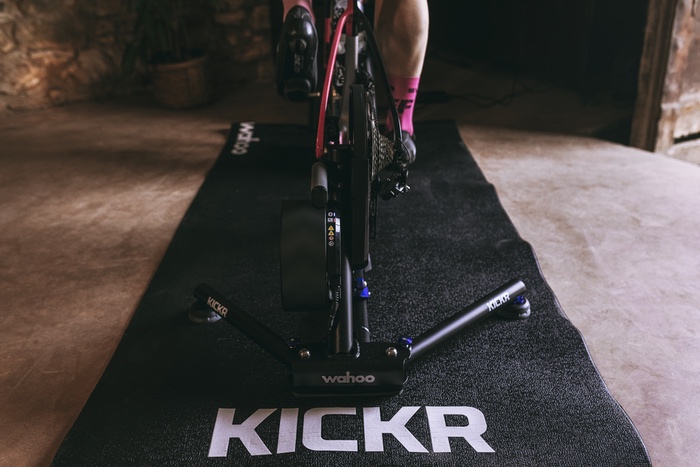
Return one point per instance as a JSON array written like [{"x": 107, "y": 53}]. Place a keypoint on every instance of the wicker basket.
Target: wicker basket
[{"x": 182, "y": 85}]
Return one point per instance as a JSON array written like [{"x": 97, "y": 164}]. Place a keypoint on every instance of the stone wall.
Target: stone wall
[
  {"x": 243, "y": 40},
  {"x": 59, "y": 51}
]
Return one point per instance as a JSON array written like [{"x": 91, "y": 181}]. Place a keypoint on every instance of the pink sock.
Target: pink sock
[
  {"x": 404, "y": 89},
  {"x": 289, "y": 4}
]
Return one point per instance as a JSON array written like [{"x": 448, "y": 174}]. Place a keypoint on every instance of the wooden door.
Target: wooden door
[{"x": 667, "y": 111}]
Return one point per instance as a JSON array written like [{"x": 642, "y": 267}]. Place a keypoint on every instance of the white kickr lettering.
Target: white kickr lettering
[
  {"x": 218, "y": 307},
  {"x": 498, "y": 301},
  {"x": 374, "y": 430}
]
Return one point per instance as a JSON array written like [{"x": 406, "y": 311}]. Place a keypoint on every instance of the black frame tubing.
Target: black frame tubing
[
  {"x": 455, "y": 324},
  {"x": 270, "y": 341}
]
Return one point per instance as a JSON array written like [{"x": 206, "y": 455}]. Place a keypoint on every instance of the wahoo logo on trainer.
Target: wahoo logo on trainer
[
  {"x": 347, "y": 378},
  {"x": 244, "y": 138}
]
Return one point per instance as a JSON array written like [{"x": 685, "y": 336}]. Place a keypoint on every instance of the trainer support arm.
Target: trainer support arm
[
  {"x": 374, "y": 368},
  {"x": 252, "y": 328},
  {"x": 452, "y": 326}
]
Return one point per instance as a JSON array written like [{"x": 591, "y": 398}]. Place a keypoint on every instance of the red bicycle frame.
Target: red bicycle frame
[{"x": 330, "y": 68}]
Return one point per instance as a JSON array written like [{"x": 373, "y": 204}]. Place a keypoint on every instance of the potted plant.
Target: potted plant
[{"x": 167, "y": 38}]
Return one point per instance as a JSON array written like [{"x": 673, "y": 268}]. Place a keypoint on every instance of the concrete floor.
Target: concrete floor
[{"x": 91, "y": 194}]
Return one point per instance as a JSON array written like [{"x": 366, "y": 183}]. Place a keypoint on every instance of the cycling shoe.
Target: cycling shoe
[
  {"x": 296, "y": 72},
  {"x": 409, "y": 144}
]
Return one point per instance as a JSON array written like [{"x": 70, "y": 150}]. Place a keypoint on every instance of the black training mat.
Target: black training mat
[{"x": 506, "y": 393}]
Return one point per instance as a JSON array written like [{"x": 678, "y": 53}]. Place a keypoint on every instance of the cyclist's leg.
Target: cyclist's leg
[
  {"x": 401, "y": 28},
  {"x": 296, "y": 74},
  {"x": 289, "y": 4}
]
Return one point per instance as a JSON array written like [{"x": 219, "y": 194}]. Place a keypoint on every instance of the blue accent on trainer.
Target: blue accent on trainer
[{"x": 405, "y": 341}]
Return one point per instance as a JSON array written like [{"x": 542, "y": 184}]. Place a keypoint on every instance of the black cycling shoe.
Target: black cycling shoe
[
  {"x": 409, "y": 144},
  {"x": 296, "y": 73}
]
